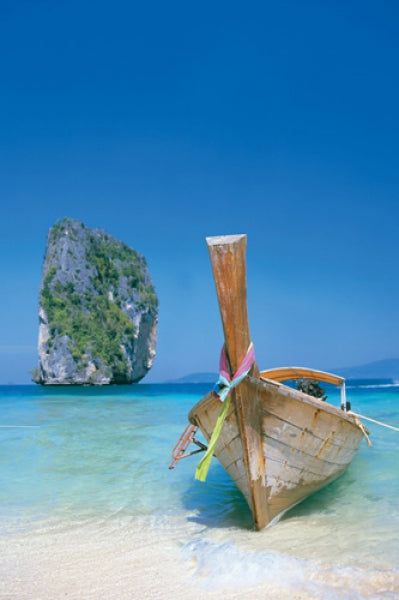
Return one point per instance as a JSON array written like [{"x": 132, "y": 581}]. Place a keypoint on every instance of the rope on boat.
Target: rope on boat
[
  {"x": 225, "y": 384},
  {"x": 375, "y": 421},
  {"x": 362, "y": 428}
]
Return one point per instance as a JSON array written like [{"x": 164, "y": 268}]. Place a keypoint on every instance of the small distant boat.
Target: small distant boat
[{"x": 278, "y": 444}]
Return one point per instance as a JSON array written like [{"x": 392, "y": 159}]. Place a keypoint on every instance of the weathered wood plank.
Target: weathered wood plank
[
  {"x": 274, "y": 449},
  {"x": 305, "y": 441}
]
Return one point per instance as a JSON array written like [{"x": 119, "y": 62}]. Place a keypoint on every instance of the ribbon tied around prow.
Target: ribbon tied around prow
[{"x": 223, "y": 389}]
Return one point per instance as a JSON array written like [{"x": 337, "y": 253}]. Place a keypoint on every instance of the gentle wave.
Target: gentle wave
[
  {"x": 225, "y": 565},
  {"x": 373, "y": 386}
]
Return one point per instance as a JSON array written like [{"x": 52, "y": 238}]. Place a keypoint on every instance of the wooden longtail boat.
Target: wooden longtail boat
[{"x": 278, "y": 444}]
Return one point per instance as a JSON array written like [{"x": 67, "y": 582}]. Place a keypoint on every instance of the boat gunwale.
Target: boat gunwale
[
  {"x": 287, "y": 391},
  {"x": 306, "y": 399}
]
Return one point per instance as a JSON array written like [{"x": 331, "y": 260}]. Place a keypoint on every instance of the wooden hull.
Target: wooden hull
[{"x": 278, "y": 444}]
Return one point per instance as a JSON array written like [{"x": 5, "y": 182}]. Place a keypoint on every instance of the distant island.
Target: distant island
[
  {"x": 197, "y": 378},
  {"x": 380, "y": 369},
  {"x": 98, "y": 309}
]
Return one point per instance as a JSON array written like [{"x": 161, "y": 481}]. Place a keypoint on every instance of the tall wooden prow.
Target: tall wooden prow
[{"x": 228, "y": 258}]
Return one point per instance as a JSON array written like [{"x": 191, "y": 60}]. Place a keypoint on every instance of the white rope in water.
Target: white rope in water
[{"x": 374, "y": 421}]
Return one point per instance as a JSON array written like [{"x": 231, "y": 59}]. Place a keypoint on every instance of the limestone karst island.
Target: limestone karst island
[{"x": 98, "y": 309}]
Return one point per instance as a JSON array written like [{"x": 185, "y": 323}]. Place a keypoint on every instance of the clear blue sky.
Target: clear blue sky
[{"x": 165, "y": 122}]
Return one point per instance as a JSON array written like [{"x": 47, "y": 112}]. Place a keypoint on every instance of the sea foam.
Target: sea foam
[{"x": 224, "y": 565}]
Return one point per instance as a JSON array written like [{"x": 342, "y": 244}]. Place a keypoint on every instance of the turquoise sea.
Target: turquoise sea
[{"x": 89, "y": 508}]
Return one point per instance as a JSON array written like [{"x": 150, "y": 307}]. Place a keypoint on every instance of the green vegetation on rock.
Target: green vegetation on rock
[
  {"x": 101, "y": 328},
  {"x": 91, "y": 283}
]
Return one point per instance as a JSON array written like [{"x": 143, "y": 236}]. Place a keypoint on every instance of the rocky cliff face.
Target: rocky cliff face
[{"x": 97, "y": 309}]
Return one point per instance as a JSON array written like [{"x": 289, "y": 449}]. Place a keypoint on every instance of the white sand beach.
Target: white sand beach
[{"x": 118, "y": 561}]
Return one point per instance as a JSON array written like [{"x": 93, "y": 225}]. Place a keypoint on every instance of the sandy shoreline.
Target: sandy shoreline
[
  {"x": 119, "y": 562},
  {"x": 89, "y": 565}
]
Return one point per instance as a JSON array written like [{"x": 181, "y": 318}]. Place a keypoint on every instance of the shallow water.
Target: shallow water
[{"x": 89, "y": 509}]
